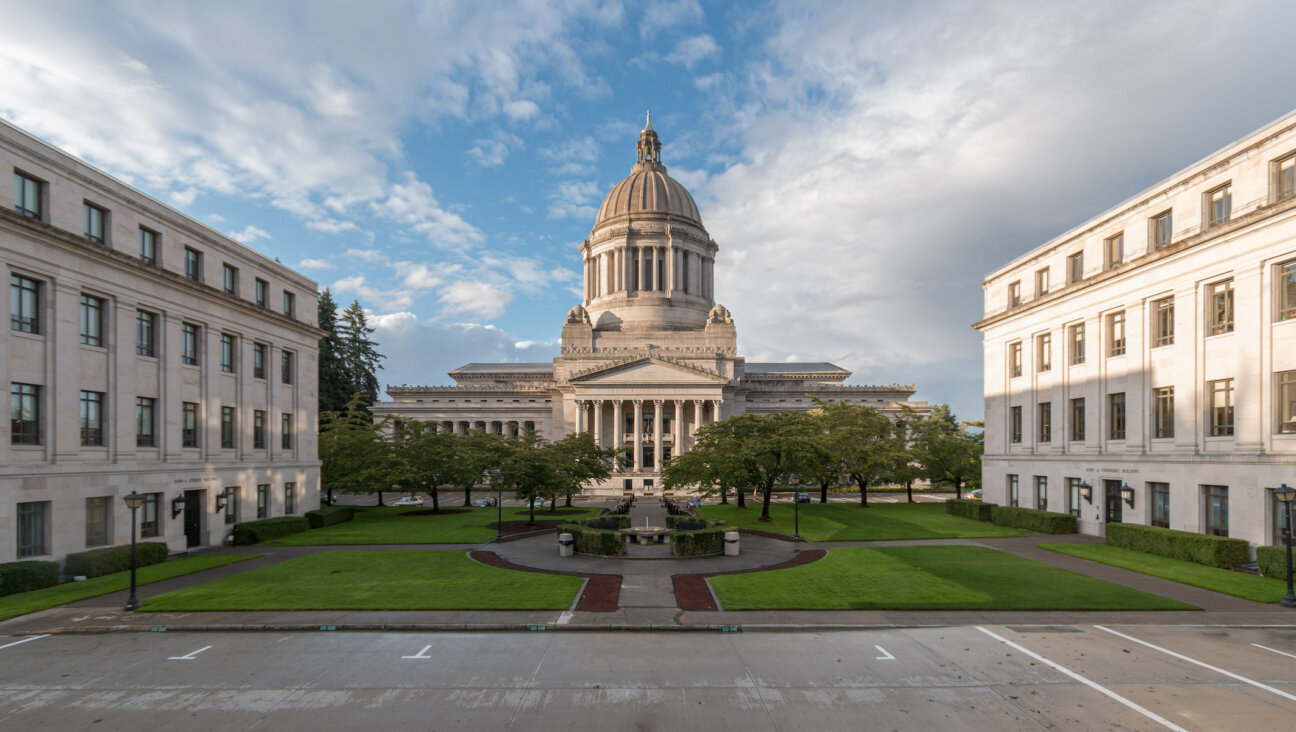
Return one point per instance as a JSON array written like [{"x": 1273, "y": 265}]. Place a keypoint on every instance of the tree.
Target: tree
[
  {"x": 694, "y": 468},
  {"x": 712, "y": 465},
  {"x": 423, "y": 459},
  {"x": 823, "y": 465},
  {"x": 477, "y": 454},
  {"x": 334, "y": 387},
  {"x": 529, "y": 470},
  {"x": 580, "y": 460},
  {"x": 350, "y": 450},
  {"x": 950, "y": 452},
  {"x": 360, "y": 357},
  {"x": 864, "y": 439},
  {"x": 905, "y": 467}
]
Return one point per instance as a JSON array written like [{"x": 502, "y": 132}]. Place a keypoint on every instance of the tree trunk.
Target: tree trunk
[
  {"x": 742, "y": 497},
  {"x": 468, "y": 496},
  {"x": 958, "y": 490},
  {"x": 909, "y": 489},
  {"x": 436, "y": 500},
  {"x": 568, "y": 503},
  {"x": 765, "y": 504},
  {"x": 380, "y": 498},
  {"x": 531, "y": 518},
  {"x": 553, "y": 504},
  {"x": 863, "y": 486},
  {"x": 724, "y": 495},
  {"x": 823, "y": 491}
]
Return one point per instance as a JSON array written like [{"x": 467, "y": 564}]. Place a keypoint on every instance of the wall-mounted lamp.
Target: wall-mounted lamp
[
  {"x": 1086, "y": 491},
  {"x": 177, "y": 505},
  {"x": 221, "y": 500},
  {"x": 1127, "y": 494}
]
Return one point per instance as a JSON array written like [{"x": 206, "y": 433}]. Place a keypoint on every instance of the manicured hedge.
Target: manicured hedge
[
  {"x": 1212, "y": 551},
  {"x": 674, "y": 521},
  {"x": 1272, "y": 561},
  {"x": 977, "y": 510},
  {"x": 329, "y": 515},
  {"x": 698, "y": 543},
  {"x": 255, "y": 532},
  {"x": 1045, "y": 522},
  {"x": 98, "y": 562},
  {"x": 594, "y": 541},
  {"x": 25, "y": 576}
]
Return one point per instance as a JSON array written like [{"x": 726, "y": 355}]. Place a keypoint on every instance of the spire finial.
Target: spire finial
[{"x": 648, "y": 126}]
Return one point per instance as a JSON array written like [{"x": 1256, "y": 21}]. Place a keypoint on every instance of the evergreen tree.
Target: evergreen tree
[
  {"x": 334, "y": 391},
  {"x": 360, "y": 357}
]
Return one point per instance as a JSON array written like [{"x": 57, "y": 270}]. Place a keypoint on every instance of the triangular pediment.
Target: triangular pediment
[{"x": 647, "y": 370}]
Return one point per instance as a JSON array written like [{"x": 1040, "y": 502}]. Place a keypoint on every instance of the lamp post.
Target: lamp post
[
  {"x": 133, "y": 502},
  {"x": 499, "y": 511},
  {"x": 1286, "y": 495}
]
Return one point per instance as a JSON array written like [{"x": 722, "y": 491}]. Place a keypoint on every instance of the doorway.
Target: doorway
[
  {"x": 193, "y": 516},
  {"x": 1112, "y": 499}
]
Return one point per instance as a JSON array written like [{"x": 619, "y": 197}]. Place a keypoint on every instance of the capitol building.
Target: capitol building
[{"x": 648, "y": 356}]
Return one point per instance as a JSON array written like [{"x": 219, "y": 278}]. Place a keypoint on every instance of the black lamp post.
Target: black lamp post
[
  {"x": 499, "y": 512},
  {"x": 796, "y": 513},
  {"x": 133, "y": 502},
  {"x": 1286, "y": 495}
]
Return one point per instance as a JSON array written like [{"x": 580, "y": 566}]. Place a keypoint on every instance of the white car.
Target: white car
[{"x": 409, "y": 501}]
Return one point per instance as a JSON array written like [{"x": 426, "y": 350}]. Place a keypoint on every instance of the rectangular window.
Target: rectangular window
[
  {"x": 1116, "y": 410},
  {"x": 1163, "y": 322},
  {"x": 148, "y": 245},
  {"x": 1042, "y": 282},
  {"x": 92, "y": 433},
  {"x": 145, "y": 333},
  {"x": 1219, "y": 205},
  {"x": 286, "y": 367},
  {"x": 1219, "y": 298},
  {"x": 1013, "y": 497},
  {"x": 1285, "y": 289},
  {"x": 1116, "y": 334},
  {"x": 231, "y": 504},
  {"x": 95, "y": 219},
  {"x": 193, "y": 264},
  {"x": 150, "y": 516},
  {"x": 33, "y": 529},
  {"x": 227, "y": 428},
  {"x": 189, "y": 344},
  {"x": 1073, "y": 496},
  {"x": 285, "y": 439},
  {"x": 1041, "y": 492},
  {"x": 24, "y": 304},
  {"x": 1161, "y": 229},
  {"x": 1221, "y": 409},
  {"x": 98, "y": 521},
  {"x": 1163, "y": 412},
  {"x": 27, "y": 196},
  {"x": 229, "y": 279},
  {"x": 1044, "y": 351},
  {"x": 290, "y": 498},
  {"x": 1014, "y": 294},
  {"x": 290, "y": 304},
  {"x": 258, "y": 360},
  {"x": 1216, "y": 498},
  {"x": 1078, "y": 419},
  {"x": 24, "y": 414},
  {"x": 263, "y": 500},
  {"x": 1114, "y": 251},
  {"x": 144, "y": 422},
  {"x": 1159, "y": 494},
  {"x": 262, "y": 293},
  {"x": 1075, "y": 267},
  {"x": 228, "y": 353},
  {"x": 1287, "y": 402},
  {"x": 1015, "y": 359},
  {"x": 92, "y": 320},
  {"x": 1015, "y": 423},
  {"x": 1077, "y": 344},
  {"x": 258, "y": 429},
  {"x": 189, "y": 424},
  {"x": 1285, "y": 178},
  {"x": 1046, "y": 422}
]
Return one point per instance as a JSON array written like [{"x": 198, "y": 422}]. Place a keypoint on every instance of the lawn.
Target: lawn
[
  {"x": 387, "y": 525},
  {"x": 11, "y": 606},
  {"x": 377, "y": 580},
  {"x": 850, "y": 522},
  {"x": 928, "y": 578},
  {"x": 1239, "y": 584}
]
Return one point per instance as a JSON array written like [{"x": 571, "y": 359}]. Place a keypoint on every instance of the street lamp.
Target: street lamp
[
  {"x": 1127, "y": 493},
  {"x": 499, "y": 511},
  {"x": 1086, "y": 491},
  {"x": 133, "y": 502},
  {"x": 1286, "y": 495}
]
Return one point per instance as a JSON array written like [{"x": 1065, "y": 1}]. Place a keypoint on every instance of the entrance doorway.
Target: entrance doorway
[
  {"x": 1112, "y": 498},
  {"x": 193, "y": 516}
]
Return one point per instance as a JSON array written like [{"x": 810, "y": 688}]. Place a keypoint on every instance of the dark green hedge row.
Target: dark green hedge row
[
  {"x": 978, "y": 510},
  {"x": 594, "y": 541},
  {"x": 329, "y": 515},
  {"x": 674, "y": 522},
  {"x": 255, "y": 532},
  {"x": 18, "y": 577},
  {"x": 1212, "y": 551},
  {"x": 697, "y": 543},
  {"x": 98, "y": 562},
  {"x": 1045, "y": 522},
  {"x": 1272, "y": 561}
]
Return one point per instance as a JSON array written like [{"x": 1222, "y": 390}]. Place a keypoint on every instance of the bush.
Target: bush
[
  {"x": 329, "y": 515},
  {"x": 255, "y": 532},
  {"x": 1212, "y": 551},
  {"x": 594, "y": 541},
  {"x": 698, "y": 543},
  {"x": 673, "y": 522},
  {"x": 1272, "y": 561},
  {"x": 977, "y": 510},
  {"x": 18, "y": 577},
  {"x": 98, "y": 562},
  {"x": 1045, "y": 522}
]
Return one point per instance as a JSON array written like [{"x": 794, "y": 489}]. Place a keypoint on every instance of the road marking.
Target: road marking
[
  {"x": 28, "y": 639},
  {"x": 1091, "y": 684},
  {"x": 564, "y": 618},
  {"x": 421, "y": 654},
  {"x": 1203, "y": 664},
  {"x": 1267, "y": 648},
  {"x": 885, "y": 656},
  {"x": 189, "y": 657}
]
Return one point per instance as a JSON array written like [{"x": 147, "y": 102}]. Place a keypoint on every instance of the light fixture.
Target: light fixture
[
  {"x": 133, "y": 502},
  {"x": 1286, "y": 495},
  {"x": 1127, "y": 494},
  {"x": 221, "y": 500},
  {"x": 177, "y": 505},
  {"x": 1086, "y": 491}
]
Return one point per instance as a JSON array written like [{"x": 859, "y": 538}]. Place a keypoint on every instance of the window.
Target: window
[
  {"x": 290, "y": 304},
  {"x": 227, "y": 428},
  {"x": 1285, "y": 178},
  {"x": 145, "y": 333},
  {"x": 285, "y": 423},
  {"x": 1287, "y": 402},
  {"x": 1042, "y": 282},
  {"x": 1078, "y": 419},
  {"x": 144, "y": 422},
  {"x": 262, "y": 293},
  {"x": 1116, "y": 334},
  {"x": 189, "y": 344},
  {"x": 1075, "y": 268},
  {"x": 1160, "y": 496},
  {"x": 1116, "y": 410},
  {"x": 24, "y": 414},
  {"x": 1163, "y": 322},
  {"x": 227, "y": 353},
  {"x": 1216, "y": 497},
  {"x": 1285, "y": 288},
  {"x": 27, "y": 196},
  {"x": 1046, "y": 421},
  {"x": 193, "y": 264},
  {"x": 33, "y": 529},
  {"x": 189, "y": 424},
  {"x": 1013, "y": 498},
  {"x": 286, "y": 367},
  {"x": 1114, "y": 251},
  {"x": 95, "y": 219},
  {"x": 1044, "y": 351},
  {"x": 290, "y": 498},
  {"x": 1161, "y": 229},
  {"x": 258, "y": 429},
  {"x": 231, "y": 504},
  {"x": 1073, "y": 496},
  {"x": 151, "y": 515},
  {"x": 92, "y": 320},
  {"x": 1041, "y": 492},
  {"x": 229, "y": 279},
  {"x": 1221, "y": 409},
  {"x": 24, "y": 304},
  {"x": 92, "y": 434},
  {"x": 1014, "y": 294},
  {"x": 148, "y": 245},
  {"x": 258, "y": 360},
  {"x": 1163, "y": 412},
  {"x": 1077, "y": 344},
  {"x": 1219, "y": 298},
  {"x": 1015, "y": 423},
  {"x": 1218, "y": 205},
  {"x": 263, "y": 500},
  {"x": 1015, "y": 358},
  {"x": 98, "y": 521}
]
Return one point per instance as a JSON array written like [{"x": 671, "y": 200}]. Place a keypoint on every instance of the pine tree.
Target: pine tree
[
  {"x": 334, "y": 391},
  {"x": 360, "y": 357}
]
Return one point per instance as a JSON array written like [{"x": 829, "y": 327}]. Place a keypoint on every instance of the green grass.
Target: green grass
[
  {"x": 377, "y": 580},
  {"x": 12, "y": 606},
  {"x": 1239, "y": 584},
  {"x": 386, "y": 525},
  {"x": 928, "y": 578},
  {"x": 850, "y": 522}
]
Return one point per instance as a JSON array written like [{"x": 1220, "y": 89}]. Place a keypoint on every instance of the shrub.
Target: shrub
[
  {"x": 18, "y": 577},
  {"x": 697, "y": 543},
  {"x": 977, "y": 510},
  {"x": 329, "y": 515},
  {"x": 255, "y": 532},
  {"x": 673, "y": 522},
  {"x": 1272, "y": 561},
  {"x": 1045, "y": 522},
  {"x": 1212, "y": 551},
  {"x": 594, "y": 541},
  {"x": 98, "y": 562}
]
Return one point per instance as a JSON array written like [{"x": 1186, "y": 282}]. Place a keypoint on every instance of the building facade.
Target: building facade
[
  {"x": 1150, "y": 354},
  {"x": 144, "y": 352},
  {"x": 648, "y": 356}
]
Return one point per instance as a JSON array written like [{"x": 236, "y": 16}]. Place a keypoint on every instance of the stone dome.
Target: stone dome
[{"x": 648, "y": 189}]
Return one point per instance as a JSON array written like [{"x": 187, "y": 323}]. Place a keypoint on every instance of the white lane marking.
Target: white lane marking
[
  {"x": 564, "y": 617},
  {"x": 28, "y": 639},
  {"x": 421, "y": 654},
  {"x": 885, "y": 656},
  {"x": 1267, "y": 648},
  {"x": 189, "y": 657},
  {"x": 1091, "y": 684},
  {"x": 1203, "y": 664}
]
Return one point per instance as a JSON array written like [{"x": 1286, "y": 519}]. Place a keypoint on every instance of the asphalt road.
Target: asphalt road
[{"x": 962, "y": 678}]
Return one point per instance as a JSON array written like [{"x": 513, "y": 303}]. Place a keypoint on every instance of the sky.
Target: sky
[{"x": 861, "y": 165}]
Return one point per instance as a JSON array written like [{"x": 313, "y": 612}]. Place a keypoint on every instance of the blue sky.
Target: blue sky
[{"x": 862, "y": 165}]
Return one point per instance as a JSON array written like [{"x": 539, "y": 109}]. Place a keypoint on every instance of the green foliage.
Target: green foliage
[
  {"x": 579, "y": 460},
  {"x": 1227, "y": 581},
  {"x": 589, "y": 540},
  {"x": 1272, "y": 561},
  {"x": 978, "y": 510},
  {"x": 865, "y": 442},
  {"x": 850, "y": 522},
  {"x": 1044, "y": 522},
  {"x": 98, "y": 562},
  {"x": 1212, "y": 551},
  {"x": 359, "y": 355},
  {"x": 698, "y": 543},
  {"x": 18, "y": 577},
  {"x": 949, "y": 452},
  {"x": 329, "y": 515},
  {"x": 334, "y": 388},
  {"x": 392, "y": 525},
  {"x": 351, "y": 453},
  {"x": 255, "y": 532},
  {"x": 674, "y": 521}
]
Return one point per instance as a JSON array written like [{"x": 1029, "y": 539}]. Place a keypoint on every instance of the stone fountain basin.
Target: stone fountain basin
[{"x": 648, "y": 534}]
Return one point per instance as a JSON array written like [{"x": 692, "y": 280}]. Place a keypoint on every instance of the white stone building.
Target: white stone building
[
  {"x": 1152, "y": 350},
  {"x": 144, "y": 352},
  {"x": 648, "y": 356}
]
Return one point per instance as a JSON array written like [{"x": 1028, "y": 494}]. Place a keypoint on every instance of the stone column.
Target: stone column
[
  {"x": 598, "y": 422},
  {"x": 679, "y": 428},
  {"x": 638, "y": 435},
  {"x": 617, "y": 428},
  {"x": 657, "y": 434},
  {"x": 715, "y": 413},
  {"x": 697, "y": 415},
  {"x": 580, "y": 416}
]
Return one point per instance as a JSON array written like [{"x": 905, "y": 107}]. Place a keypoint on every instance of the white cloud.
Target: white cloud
[
  {"x": 249, "y": 234},
  {"x": 574, "y": 199},
  {"x": 367, "y": 255},
  {"x": 523, "y": 109},
  {"x": 412, "y": 204},
  {"x": 693, "y": 49},
  {"x": 314, "y": 264},
  {"x": 659, "y": 16},
  {"x": 493, "y": 151},
  {"x": 481, "y": 299},
  {"x": 215, "y": 218},
  {"x": 184, "y": 198},
  {"x": 575, "y": 156},
  {"x": 331, "y": 226}
]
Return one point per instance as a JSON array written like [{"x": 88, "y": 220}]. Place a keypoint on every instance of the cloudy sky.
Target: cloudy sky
[{"x": 862, "y": 165}]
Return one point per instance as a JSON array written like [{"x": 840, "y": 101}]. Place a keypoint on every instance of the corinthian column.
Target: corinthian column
[
  {"x": 598, "y": 422},
  {"x": 580, "y": 416},
  {"x": 657, "y": 434},
  {"x": 618, "y": 438},
  {"x": 679, "y": 428},
  {"x": 638, "y": 435}
]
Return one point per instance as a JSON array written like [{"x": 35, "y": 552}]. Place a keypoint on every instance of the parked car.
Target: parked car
[
  {"x": 694, "y": 502},
  {"x": 541, "y": 502},
  {"x": 484, "y": 502},
  {"x": 974, "y": 495},
  {"x": 409, "y": 501},
  {"x": 803, "y": 498}
]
